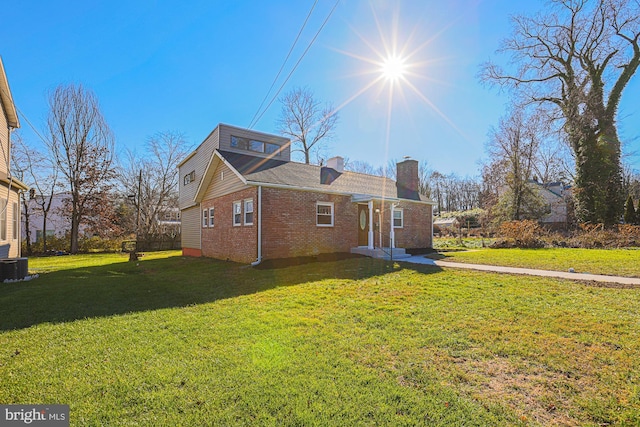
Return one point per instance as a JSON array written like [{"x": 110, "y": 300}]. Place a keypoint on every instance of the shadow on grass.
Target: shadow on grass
[{"x": 124, "y": 287}]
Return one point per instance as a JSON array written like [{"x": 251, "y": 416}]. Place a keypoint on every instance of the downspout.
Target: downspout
[
  {"x": 392, "y": 234},
  {"x": 259, "y": 259}
]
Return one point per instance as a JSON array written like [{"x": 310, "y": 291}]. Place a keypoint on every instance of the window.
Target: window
[
  {"x": 211, "y": 216},
  {"x": 398, "y": 218},
  {"x": 271, "y": 148},
  {"x": 205, "y": 217},
  {"x": 190, "y": 177},
  {"x": 239, "y": 142},
  {"x": 254, "y": 145},
  {"x": 248, "y": 212},
  {"x": 14, "y": 221},
  {"x": 324, "y": 214},
  {"x": 3, "y": 219},
  {"x": 237, "y": 213}
]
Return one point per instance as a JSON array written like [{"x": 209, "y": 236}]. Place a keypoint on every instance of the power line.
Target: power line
[
  {"x": 32, "y": 127},
  {"x": 283, "y": 64},
  {"x": 297, "y": 63}
]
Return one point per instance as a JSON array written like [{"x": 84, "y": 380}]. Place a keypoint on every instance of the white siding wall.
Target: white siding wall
[
  {"x": 191, "y": 227},
  {"x": 225, "y": 141},
  {"x": 224, "y": 181},
  {"x": 197, "y": 163},
  {"x": 4, "y": 140}
]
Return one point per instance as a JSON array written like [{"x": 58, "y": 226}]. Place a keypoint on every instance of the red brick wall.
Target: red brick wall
[
  {"x": 289, "y": 224},
  {"x": 191, "y": 252},
  {"x": 226, "y": 241},
  {"x": 416, "y": 232}
]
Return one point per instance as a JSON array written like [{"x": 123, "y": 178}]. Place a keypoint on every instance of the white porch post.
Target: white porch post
[
  {"x": 392, "y": 233},
  {"x": 370, "y": 240}
]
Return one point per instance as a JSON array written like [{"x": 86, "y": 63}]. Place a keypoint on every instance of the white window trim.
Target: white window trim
[
  {"x": 401, "y": 210},
  {"x": 205, "y": 218},
  {"x": 244, "y": 206},
  {"x": 330, "y": 204},
  {"x": 233, "y": 213},
  {"x": 211, "y": 217}
]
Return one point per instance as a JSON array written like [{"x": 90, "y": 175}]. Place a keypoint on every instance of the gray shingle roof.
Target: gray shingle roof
[{"x": 300, "y": 175}]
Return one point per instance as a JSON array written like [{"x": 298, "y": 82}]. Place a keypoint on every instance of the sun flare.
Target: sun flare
[{"x": 394, "y": 68}]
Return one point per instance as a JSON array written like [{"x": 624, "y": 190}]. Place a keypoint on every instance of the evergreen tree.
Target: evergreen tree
[{"x": 630, "y": 216}]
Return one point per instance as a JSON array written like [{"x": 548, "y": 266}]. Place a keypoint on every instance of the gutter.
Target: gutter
[{"x": 259, "y": 259}]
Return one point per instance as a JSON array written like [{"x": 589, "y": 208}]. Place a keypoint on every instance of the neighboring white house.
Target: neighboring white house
[
  {"x": 58, "y": 223},
  {"x": 556, "y": 195}
]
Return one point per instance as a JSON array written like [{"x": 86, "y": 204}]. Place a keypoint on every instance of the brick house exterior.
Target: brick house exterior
[{"x": 243, "y": 199}]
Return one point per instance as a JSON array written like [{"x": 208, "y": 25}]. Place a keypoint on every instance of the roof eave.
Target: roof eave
[
  {"x": 356, "y": 197},
  {"x": 7, "y": 100}
]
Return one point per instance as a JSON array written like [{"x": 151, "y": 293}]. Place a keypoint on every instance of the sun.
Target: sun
[{"x": 394, "y": 68}]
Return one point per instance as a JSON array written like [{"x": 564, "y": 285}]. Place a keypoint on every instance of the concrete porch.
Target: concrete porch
[{"x": 381, "y": 253}]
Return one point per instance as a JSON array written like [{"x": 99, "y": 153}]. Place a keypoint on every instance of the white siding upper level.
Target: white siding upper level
[
  {"x": 257, "y": 144},
  {"x": 226, "y": 138},
  {"x": 191, "y": 170}
]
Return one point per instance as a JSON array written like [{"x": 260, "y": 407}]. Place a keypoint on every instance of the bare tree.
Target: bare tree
[
  {"x": 81, "y": 144},
  {"x": 306, "y": 121},
  {"x": 155, "y": 175},
  {"x": 578, "y": 59},
  {"x": 515, "y": 145},
  {"x": 362, "y": 167},
  {"x": 40, "y": 172}
]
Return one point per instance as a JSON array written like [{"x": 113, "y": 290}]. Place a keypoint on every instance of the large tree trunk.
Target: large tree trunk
[
  {"x": 599, "y": 195},
  {"x": 75, "y": 225}
]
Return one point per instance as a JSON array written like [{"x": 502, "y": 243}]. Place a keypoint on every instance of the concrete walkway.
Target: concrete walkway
[{"x": 420, "y": 259}]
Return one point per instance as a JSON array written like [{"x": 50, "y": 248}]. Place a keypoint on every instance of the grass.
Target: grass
[
  {"x": 184, "y": 341},
  {"x": 615, "y": 262}
]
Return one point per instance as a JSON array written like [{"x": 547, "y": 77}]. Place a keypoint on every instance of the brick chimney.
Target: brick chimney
[{"x": 407, "y": 179}]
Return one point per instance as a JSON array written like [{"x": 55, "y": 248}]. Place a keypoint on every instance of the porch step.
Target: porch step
[{"x": 381, "y": 253}]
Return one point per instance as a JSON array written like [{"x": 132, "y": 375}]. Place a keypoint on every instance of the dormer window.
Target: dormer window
[{"x": 254, "y": 145}]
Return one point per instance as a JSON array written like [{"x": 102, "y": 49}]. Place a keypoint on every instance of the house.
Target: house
[
  {"x": 10, "y": 187},
  {"x": 242, "y": 198},
  {"x": 556, "y": 196},
  {"x": 58, "y": 220}
]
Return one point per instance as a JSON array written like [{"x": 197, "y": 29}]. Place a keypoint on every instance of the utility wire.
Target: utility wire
[
  {"x": 283, "y": 64},
  {"x": 32, "y": 127},
  {"x": 298, "y": 63}
]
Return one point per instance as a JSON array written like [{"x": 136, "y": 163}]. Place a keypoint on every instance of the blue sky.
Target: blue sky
[{"x": 188, "y": 65}]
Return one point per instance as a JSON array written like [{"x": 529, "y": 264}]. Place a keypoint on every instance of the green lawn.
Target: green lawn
[
  {"x": 615, "y": 262},
  {"x": 184, "y": 341}
]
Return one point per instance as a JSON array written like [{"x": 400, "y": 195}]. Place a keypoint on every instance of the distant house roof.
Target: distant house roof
[
  {"x": 556, "y": 188},
  {"x": 273, "y": 172},
  {"x": 445, "y": 222}
]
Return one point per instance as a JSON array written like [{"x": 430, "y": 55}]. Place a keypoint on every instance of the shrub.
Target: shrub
[{"x": 520, "y": 234}]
